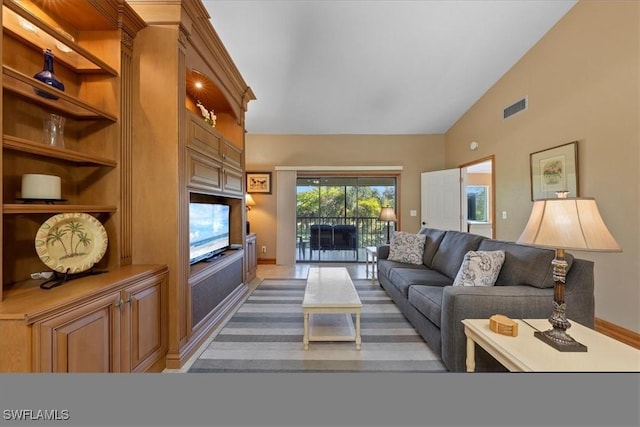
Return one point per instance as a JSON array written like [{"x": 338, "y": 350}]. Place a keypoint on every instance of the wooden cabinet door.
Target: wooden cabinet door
[
  {"x": 232, "y": 155},
  {"x": 144, "y": 324},
  {"x": 233, "y": 175},
  {"x": 233, "y": 180},
  {"x": 203, "y": 138},
  {"x": 203, "y": 172},
  {"x": 85, "y": 339}
]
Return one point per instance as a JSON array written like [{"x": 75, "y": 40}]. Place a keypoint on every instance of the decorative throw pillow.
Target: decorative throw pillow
[
  {"x": 407, "y": 247},
  {"x": 479, "y": 268}
]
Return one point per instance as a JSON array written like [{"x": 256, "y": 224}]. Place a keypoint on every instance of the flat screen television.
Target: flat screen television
[{"x": 208, "y": 230}]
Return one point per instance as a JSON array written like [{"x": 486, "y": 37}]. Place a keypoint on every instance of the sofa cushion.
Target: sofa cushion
[
  {"x": 407, "y": 247},
  {"x": 385, "y": 266},
  {"x": 479, "y": 268},
  {"x": 428, "y": 301},
  {"x": 403, "y": 278},
  {"x": 450, "y": 253},
  {"x": 524, "y": 265},
  {"x": 431, "y": 243}
]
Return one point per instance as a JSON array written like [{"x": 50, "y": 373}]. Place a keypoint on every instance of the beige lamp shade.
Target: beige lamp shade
[
  {"x": 568, "y": 223},
  {"x": 248, "y": 200},
  {"x": 387, "y": 214}
]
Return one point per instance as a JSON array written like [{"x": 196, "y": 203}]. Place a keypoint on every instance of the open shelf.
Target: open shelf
[
  {"x": 33, "y": 31},
  {"x": 40, "y": 149},
  {"x": 25, "y": 86},
  {"x": 31, "y": 208}
]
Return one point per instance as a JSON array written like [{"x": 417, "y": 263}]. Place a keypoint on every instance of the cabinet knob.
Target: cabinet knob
[
  {"x": 120, "y": 304},
  {"x": 129, "y": 300}
]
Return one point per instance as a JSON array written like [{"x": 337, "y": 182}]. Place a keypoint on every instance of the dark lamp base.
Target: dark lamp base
[{"x": 565, "y": 343}]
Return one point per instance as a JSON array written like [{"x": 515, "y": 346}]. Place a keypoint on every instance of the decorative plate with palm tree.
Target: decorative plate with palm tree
[{"x": 71, "y": 242}]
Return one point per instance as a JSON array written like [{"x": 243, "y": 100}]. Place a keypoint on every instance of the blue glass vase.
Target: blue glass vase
[{"x": 47, "y": 76}]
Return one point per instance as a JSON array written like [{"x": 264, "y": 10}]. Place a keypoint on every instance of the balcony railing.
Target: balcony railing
[{"x": 370, "y": 231}]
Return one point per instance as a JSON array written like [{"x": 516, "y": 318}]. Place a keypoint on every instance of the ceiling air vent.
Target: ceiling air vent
[{"x": 514, "y": 108}]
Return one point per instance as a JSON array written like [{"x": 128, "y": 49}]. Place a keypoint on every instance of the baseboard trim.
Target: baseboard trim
[
  {"x": 267, "y": 261},
  {"x": 619, "y": 333}
]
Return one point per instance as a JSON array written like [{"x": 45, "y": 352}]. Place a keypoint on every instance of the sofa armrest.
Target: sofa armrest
[
  {"x": 463, "y": 302},
  {"x": 383, "y": 251}
]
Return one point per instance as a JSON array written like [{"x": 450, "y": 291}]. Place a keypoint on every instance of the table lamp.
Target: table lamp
[
  {"x": 560, "y": 224},
  {"x": 387, "y": 214},
  {"x": 248, "y": 201}
]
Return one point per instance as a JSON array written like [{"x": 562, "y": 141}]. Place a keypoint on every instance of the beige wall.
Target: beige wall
[
  {"x": 415, "y": 153},
  {"x": 582, "y": 83}
]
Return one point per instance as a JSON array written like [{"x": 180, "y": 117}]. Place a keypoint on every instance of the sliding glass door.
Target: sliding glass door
[{"x": 337, "y": 217}]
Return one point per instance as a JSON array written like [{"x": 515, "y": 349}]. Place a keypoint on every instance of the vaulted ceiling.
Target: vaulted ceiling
[{"x": 374, "y": 67}]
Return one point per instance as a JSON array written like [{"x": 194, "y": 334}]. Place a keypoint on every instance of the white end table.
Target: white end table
[
  {"x": 371, "y": 256},
  {"x": 527, "y": 353}
]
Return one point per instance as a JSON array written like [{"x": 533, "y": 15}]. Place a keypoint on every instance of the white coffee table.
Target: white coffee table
[
  {"x": 527, "y": 353},
  {"x": 329, "y": 301}
]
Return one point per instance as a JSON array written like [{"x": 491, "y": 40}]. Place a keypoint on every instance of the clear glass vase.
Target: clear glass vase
[{"x": 53, "y": 126}]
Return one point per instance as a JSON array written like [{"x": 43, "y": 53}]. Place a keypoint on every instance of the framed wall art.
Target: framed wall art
[
  {"x": 259, "y": 182},
  {"x": 554, "y": 169}
]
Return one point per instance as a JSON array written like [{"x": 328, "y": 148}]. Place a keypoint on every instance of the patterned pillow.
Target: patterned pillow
[
  {"x": 479, "y": 268},
  {"x": 407, "y": 247}
]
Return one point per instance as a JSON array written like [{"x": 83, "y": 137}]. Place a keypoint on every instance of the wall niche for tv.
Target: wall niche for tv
[{"x": 213, "y": 281}]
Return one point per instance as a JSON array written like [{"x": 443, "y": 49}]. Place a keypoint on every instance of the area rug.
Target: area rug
[{"x": 265, "y": 335}]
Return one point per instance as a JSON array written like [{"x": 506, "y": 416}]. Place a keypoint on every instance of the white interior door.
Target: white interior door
[{"x": 441, "y": 203}]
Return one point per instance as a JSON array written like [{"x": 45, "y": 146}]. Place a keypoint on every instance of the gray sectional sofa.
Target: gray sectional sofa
[{"x": 523, "y": 289}]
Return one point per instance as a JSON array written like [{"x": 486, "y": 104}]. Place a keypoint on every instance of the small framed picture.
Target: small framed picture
[
  {"x": 259, "y": 182},
  {"x": 554, "y": 170}
]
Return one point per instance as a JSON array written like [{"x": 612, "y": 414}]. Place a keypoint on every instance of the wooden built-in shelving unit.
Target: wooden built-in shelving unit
[
  {"x": 136, "y": 151},
  {"x": 119, "y": 315},
  {"x": 192, "y": 160}
]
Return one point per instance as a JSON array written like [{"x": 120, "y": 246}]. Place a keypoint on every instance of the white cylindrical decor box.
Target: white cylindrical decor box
[{"x": 37, "y": 186}]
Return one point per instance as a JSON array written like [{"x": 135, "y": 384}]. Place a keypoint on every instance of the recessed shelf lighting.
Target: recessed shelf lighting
[
  {"x": 28, "y": 26},
  {"x": 63, "y": 47}
]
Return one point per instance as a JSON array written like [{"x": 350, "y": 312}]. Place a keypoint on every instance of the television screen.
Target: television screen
[{"x": 208, "y": 230}]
